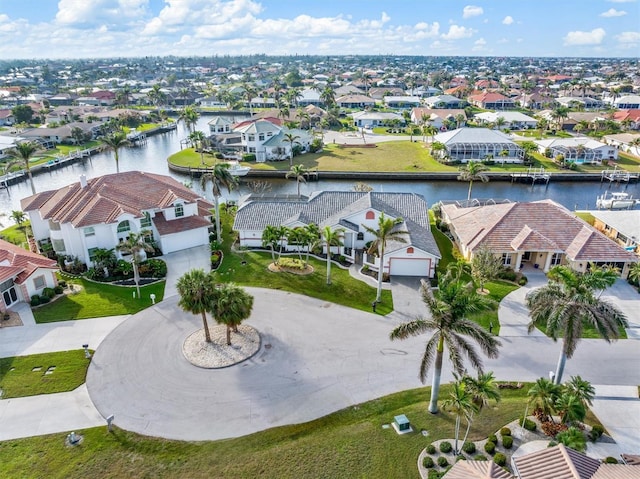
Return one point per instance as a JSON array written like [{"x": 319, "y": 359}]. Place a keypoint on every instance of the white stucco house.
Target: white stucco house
[
  {"x": 23, "y": 274},
  {"x": 349, "y": 211},
  {"x": 579, "y": 149},
  {"x": 102, "y": 212},
  {"x": 473, "y": 144},
  {"x": 370, "y": 119},
  {"x": 267, "y": 139},
  {"x": 514, "y": 120}
]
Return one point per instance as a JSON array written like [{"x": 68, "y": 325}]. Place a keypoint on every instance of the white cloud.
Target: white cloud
[
  {"x": 471, "y": 11},
  {"x": 508, "y": 20},
  {"x": 97, "y": 12},
  {"x": 480, "y": 41},
  {"x": 594, "y": 37},
  {"x": 628, "y": 37},
  {"x": 457, "y": 32},
  {"x": 612, "y": 12}
]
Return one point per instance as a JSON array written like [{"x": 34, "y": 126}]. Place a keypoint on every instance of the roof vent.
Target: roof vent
[{"x": 83, "y": 181}]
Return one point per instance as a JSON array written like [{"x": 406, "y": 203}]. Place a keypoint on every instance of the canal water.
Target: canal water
[{"x": 152, "y": 157}]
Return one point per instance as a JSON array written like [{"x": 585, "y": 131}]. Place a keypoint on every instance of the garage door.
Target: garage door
[{"x": 410, "y": 267}]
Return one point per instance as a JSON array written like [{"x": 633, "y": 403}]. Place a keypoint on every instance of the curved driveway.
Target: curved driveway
[{"x": 315, "y": 358}]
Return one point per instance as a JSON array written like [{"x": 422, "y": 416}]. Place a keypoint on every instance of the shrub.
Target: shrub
[
  {"x": 598, "y": 429},
  {"x": 529, "y": 425},
  {"x": 479, "y": 457},
  {"x": 35, "y": 300},
  {"x": 431, "y": 449},
  {"x": 218, "y": 155},
  {"x": 433, "y": 474},
  {"x": 500, "y": 459},
  {"x": 507, "y": 274},
  {"x": 58, "y": 289},
  {"x": 493, "y": 438},
  {"x": 490, "y": 447},
  {"x": 446, "y": 447},
  {"x": 610, "y": 460},
  {"x": 461, "y": 458},
  {"x": 573, "y": 438},
  {"x": 291, "y": 263},
  {"x": 44, "y": 299},
  {"x": 522, "y": 281},
  {"x": 427, "y": 462},
  {"x": 442, "y": 461},
  {"x": 156, "y": 268},
  {"x": 551, "y": 429},
  {"x": 249, "y": 157},
  {"x": 62, "y": 283},
  {"x": 505, "y": 431},
  {"x": 507, "y": 442},
  {"x": 48, "y": 293},
  {"x": 469, "y": 447}
]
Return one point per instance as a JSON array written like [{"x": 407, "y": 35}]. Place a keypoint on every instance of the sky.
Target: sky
[{"x": 31, "y": 29}]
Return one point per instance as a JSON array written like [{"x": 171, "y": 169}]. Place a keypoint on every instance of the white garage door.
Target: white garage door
[{"x": 410, "y": 267}]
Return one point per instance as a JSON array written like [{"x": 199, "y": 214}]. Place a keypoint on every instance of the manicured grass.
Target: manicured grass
[
  {"x": 588, "y": 332},
  {"x": 18, "y": 379},
  {"x": 16, "y": 234},
  {"x": 583, "y": 215},
  {"x": 347, "y": 444},
  {"x": 97, "y": 300},
  {"x": 628, "y": 162},
  {"x": 446, "y": 248},
  {"x": 497, "y": 290}
]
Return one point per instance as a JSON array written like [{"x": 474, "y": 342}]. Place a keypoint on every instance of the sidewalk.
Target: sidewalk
[{"x": 618, "y": 409}]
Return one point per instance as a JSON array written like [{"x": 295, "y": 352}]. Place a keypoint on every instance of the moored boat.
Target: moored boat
[{"x": 618, "y": 200}]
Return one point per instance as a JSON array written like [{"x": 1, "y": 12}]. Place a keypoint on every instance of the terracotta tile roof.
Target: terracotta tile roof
[
  {"x": 489, "y": 97},
  {"x": 477, "y": 470},
  {"x": 534, "y": 226},
  {"x": 179, "y": 225},
  {"x": 559, "y": 462},
  {"x": 19, "y": 263},
  {"x": 617, "y": 471},
  {"x": 105, "y": 198}
]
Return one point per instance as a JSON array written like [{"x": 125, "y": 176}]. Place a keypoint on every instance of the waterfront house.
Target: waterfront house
[
  {"x": 439, "y": 117},
  {"x": 444, "y": 102},
  {"x": 349, "y": 211},
  {"x": 491, "y": 101},
  {"x": 102, "y": 212},
  {"x": 371, "y": 119},
  {"x": 267, "y": 139},
  {"x": 580, "y": 149},
  {"x": 473, "y": 144},
  {"x": 514, "y": 120},
  {"x": 624, "y": 141},
  {"x": 23, "y": 274},
  {"x": 621, "y": 226},
  {"x": 537, "y": 234}
]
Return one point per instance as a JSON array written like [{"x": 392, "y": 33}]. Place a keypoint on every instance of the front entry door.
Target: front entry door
[{"x": 10, "y": 296}]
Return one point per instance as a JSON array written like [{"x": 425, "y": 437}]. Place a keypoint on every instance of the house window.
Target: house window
[
  {"x": 38, "y": 282},
  {"x": 269, "y": 133},
  {"x": 54, "y": 225},
  {"x": 261, "y": 137},
  {"x": 556, "y": 259},
  {"x": 370, "y": 215},
  {"x": 360, "y": 236},
  {"x": 252, "y": 149},
  {"x": 409, "y": 250},
  {"x": 124, "y": 226},
  {"x": 58, "y": 245},
  {"x": 90, "y": 231},
  {"x": 506, "y": 259},
  {"x": 179, "y": 210},
  {"x": 146, "y": 221},
  {"x": 252, "y": 138},
  {"x": 92, "y": 253}
]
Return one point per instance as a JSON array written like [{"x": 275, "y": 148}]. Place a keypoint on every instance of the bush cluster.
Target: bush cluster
[
  {"x": 479, "y": 457},
  {"x": 58, "y": 289},
  {"x": 490, "y": 447},
  {"x": 493, "y": 438},
  {"x": 446, "y": 447},
  {"x": 596, "y": 432},
  {"x": 469, "y": 447},
  {"x": 442, "y": 461},
  {"x": 507, "y": 442},
  {"x": 48, "y": 293},
  {"x": 431, "y": 449},
  {"x": 529, "y": 425},
  {"x": 249, "y": 157},
  {"x": 610, "y": 460},
  {"x": 427, "y": 462},
  {"x": 500, "y": 459},
  {"x": 291, "y": 263}
]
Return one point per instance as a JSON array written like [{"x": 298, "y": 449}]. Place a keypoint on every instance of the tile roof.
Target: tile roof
[
  {"x": 626, "y": 222},
  {"x": 539, "y": 225},
  {"x": 617, "y": 471},
  {"x": 477, "y": 470},
  {"x": 330, "y": 208},
  {"x": 19, "y": 263},
  {"x": 105, "y": 198},
  {"x": 559, "y": 462},
  {"x": 179, "y": 225}
]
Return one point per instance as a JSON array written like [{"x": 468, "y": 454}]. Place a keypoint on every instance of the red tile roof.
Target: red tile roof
[
  {"x": 559, "y": 462},
  {"x": 179, "y": 225},
  {"x": 19, "y": 263},
  {"x": 105, "y": 198}
]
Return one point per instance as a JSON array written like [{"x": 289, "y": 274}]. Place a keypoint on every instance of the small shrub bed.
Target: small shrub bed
[
  {"x": 479, "y": 457},
  {"x": 446, "y": 447},
  {"x": 500, "y": 459},
  {"x": 291, "y": 263},
  {"x": 493, "y": 438},
  {"x": 490, "y": 447},
  {"x": 442, "y": 461},
  {"x": 427, "y": 462},
  {"x": 610, "y": 460},
  {"x": 469, "y": 447},
  {"x": 431, "y": 449},
  {"x": 529, "y": 425},
  {"x": 507, "y": 442}
]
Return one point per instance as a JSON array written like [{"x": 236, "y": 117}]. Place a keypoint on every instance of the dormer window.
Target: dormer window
[
  {"x": 252, "y": 138},
  {"x": 124, "y": 226},
  {"x": 179, "y": 210}
]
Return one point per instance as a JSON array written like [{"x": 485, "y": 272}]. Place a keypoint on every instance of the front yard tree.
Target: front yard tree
[
  {"x": 298, "y": 173},
  {"x": 113, "y": 142},
  {"x": 568, "y": 304},
  {"x": 197, "y": 139},
  {"x": 196, "y": 289},
  {"x": 291, "y": 139},
  {"x": 271, "y": 239},
  {"x": 219, "y": 177},
  {"x": 22, "y": 154},
  {"x": 459, "y": 402},
  {"x": 329, "y": 238},
  {"x": 231, "y": 305},
  {"x": 448, "y": 307},
  {"x": 135, "y": 245},
  {"x": 386, "y": 232},
  {"x": 485, "y": 266},
  {"x": 482, "y": 389},
  {"x": 473, "y": 171}
]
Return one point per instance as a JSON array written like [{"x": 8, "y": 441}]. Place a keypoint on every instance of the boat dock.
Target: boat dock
[
  {"x": 618, "y": 176},
  {"x": 533, "y": 174}
]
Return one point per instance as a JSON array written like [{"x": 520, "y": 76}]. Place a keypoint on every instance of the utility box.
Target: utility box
[{"x": 401, "y": 424}]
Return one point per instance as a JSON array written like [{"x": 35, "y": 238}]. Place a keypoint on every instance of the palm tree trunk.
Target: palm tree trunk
[
  {"x": 380, "y": 275},
  {"x": 207, "y": 336},
  {"x": 218, "y": 232},
  {"x": 117, "y": 162},
  {"x": 437, "y": 373},
  {"x": 457, "y": 434},
  {"x": 560, "y": 368},
  {"x": 470, "y": 186},
  {"x": 33, "y": 188},
  {"x": 136, "y": 276},
  {"x": 328, "y": 264},
  {"x": 228, "y": 335},
  {"x": 466, "y": 433}
]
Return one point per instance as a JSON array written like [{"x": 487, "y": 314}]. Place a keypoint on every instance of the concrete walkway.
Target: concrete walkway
[
  {"x": 512, "y": 311},
  {"x": 618, "y": 408}
]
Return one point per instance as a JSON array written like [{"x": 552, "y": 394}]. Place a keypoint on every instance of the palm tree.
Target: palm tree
[
  {"x": 198, "y": 138},
  {"x": 570, "y": 408},
  {"x": 270, "y": 239},
  {"x": 634, "y": 272},
  {"x": 299, "y": 173},
  {"x": 482, "y": 389},
  {"x": 219, "y": 177},
  {"x": 135, "y": 245},
  {"x": 460, "y": 402},
  {"x": 448, "y": 307},
  {"x": 386, "y": 232},
  {"x": 568, "y": 303},
  {"x": 473, "y": 171},
  {"x": 543, "y": 395},
  {"x": 331, "y": 238},
  {"x": 230, "y": 305},
  {"x": 189, "y": 115},
  {"x": 22, "y": 154},
  {"x": 291, "y": 139},
  {"x": 196, "y": 289},
  {"x": 114, "y": 142}
]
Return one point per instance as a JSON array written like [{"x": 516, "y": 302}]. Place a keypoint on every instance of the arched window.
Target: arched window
[
  {"x": 360, "y": 236},
  {"x": 409, "y": 250},
  {"x": 370, "y": 215},
  {"x": 124, "y": 226}
]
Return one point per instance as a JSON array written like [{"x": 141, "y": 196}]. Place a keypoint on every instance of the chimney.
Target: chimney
[{"x": 83, "y": 181}]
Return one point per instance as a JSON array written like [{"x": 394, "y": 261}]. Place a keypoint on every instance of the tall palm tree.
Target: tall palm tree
[
  {"x": 482, "y": 389},
  {"x": 198, "y": 138},
  {"x": 21, "y": 154},
  {"x": 291, "y": 139},
  {"x": 299, "y": 173},
  {"x": 329, "y": 238},
  {"x": 473, "y": 171},
  {"x": 189, "y": 115},
  {"x": 231, "y": 305},
  {"x": 135, "y": 245},
  {"x": 460, "y": 402},
  {"x": 386, "y": 232},
  {"x": 219, "y": 177},
  {"x": 113, "y": 142},
  {"x": 196, "y": 289},
  {"x": 448, "y": 307},
  {"x": 271, "y": 239},
  {"x": 568, "y": 303}
]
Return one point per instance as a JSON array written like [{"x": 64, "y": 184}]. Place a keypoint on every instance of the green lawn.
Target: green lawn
[
  {"x": 18, "y": 378},
  {"x": 583, "y": 215},
  {"x": 497, "y": 290},
  {"x": 15, "y": 234},
  {"x": 97, "y": 300}
]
